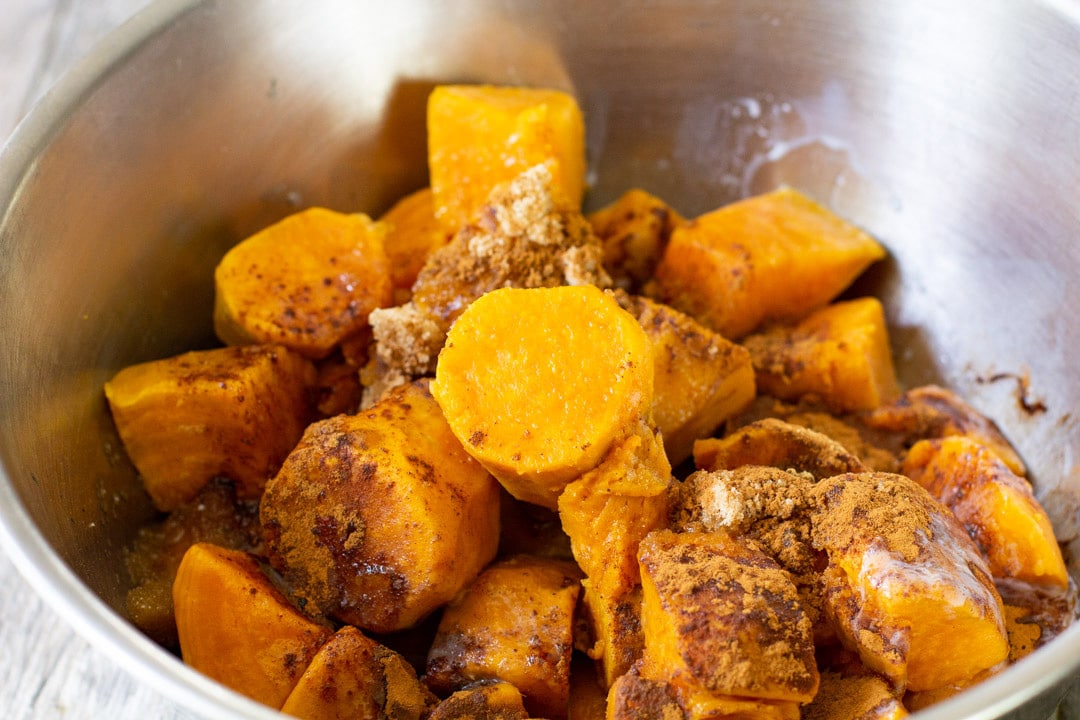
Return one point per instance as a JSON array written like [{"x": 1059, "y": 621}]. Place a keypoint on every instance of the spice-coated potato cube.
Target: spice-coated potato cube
[{"x": 233, "y": 412}]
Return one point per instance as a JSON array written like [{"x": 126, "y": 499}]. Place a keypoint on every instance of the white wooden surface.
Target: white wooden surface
[{"x": 46, "y": 671}]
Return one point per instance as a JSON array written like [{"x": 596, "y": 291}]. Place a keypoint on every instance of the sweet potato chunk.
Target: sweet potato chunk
[
  {"x": 487, "y": 701},
  {"x": 775, "y": 443},
  {"x": 538, "y": 384},
  {"x": 720, "y": 617},
  {"x": 606, "y": 513},
  {"x": 480, "y": 136},
  {"x": 307, "y": 282},
  {"x": 839, "y": 353},
  {"x": 996, "y": 506},
  {"x": 933, "y": 412},
  {"x": 355, "y": 677},
  {"x": 634, "y": 231},
  {"x": 412, "y": 234},
  {"x": 234, "y": 412},
  {"x": 774, "y": 257},
  {"x": 700, "y": 378},
  {"x": 854, "y": 697},
  {"x": 905, "y": 586},
  {"x": 514, "y": 623},
  {"x": 633, "y": 697},
  {"x": 379, "y": 518},
  {"x": 215, "y": 516},
  {"x": 236, "y": 627}
]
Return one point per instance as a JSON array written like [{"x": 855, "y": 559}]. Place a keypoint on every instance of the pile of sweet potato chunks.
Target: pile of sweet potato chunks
[{"x": 430, "y": 474}]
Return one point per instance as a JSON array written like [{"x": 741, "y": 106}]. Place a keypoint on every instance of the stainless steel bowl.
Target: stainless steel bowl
[{"x": 949, "y": 130}]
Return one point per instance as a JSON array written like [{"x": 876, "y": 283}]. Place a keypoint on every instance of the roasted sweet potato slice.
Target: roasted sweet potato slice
[
  {"x": 236, "y": 627},
  {"x": 775, "y": 443},
  {"x": 538, "y": 384},
  {"x": 354, "y": 677},
  {"x": 215, "y": 516},
  {"x": 307, "y": 282},
  {"x": 854, "y": 697},
  {"x": 722, "y": 619},
  {"x": 606, "y": 513},
  {"x": 480, "y": 136},
  {"x": 381, "y": 517},
  {"x": 634, "y": 231},
  {"x": 514, "y": 623},
  {"x": 700, "y": 379},
  {"x": 486, "y": 701},
  {"x": 774, "y": 257},
  {"x": 234, "y": 412},
  {"x": 905, "y": 586},
  {"x": 931, "y": 411},
  {"x": 840, "y": 353},
  {"x": 997, "y": 507}
]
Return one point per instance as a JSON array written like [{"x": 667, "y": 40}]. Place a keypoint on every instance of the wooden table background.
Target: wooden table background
[{"x": 46, "y": 670}]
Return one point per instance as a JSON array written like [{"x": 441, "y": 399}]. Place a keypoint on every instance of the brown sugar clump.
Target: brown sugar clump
[{"x": 521, "y": 238}]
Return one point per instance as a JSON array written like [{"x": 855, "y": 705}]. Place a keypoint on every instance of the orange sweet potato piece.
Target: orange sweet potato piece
[
  {"x": 486, "y": 701},
  {"x": 722, "y": 619},
  {"x": 234, "y": 412},
  {"x": 606, "y": 513},
  {"x": 997, "y": 507},
  {"x": 854, "y": 697},
  {"x": 934, "y": 412},
  {"x": 700, "y": 378},
  {"x": 839, "y": 353},
  {"x": 634, "y": 231},
  {"x": 354, "y": 677},
  {"x": 307, "y": 282},
  {"x": 412, "y": 233},
  {"x": 480, "y": 136},
  {"x": 381, "y": 517},
  {"x": 514, "y": 623},
  {"x": 538, "y": 384},
  {"x": 634, "y": 697},
  {"x": 775, "y": 443},
  {"x": 774, "y": 257},
  {"x": 905, "y": 586},
  {"x": 236, "y": 627},
  {"x": 215, "y": 516}
]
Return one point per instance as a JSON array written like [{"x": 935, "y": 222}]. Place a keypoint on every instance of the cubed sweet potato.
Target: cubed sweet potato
[
  {"x": 412, "y": 233},
  {"x": 700, "y": 378},
  {"x": 307, "y": 282},
  {"x": 215, "y": 516},
  {"x": 774, "y": 257},
  {"x": 538, "y": 384},
  {"x": 634, "y": 231},
  {"x": 381, "y": 517},
  {"x": 930, "y": 412},
  {"x": 854, "y": 697},
  {"x": 905, "y": 586},
  {"x": 480, "y": 136},
  {"x": 775, "y": 443},
  {"x": 722, "y": 618},
  {"x": 354, "y": 677},
  {"x": 514, "y": 623},
  {"x": 839, "y": 353},
  {"x": 996, "y": 506},
  {"x": 234, "y": 412},
  {"x": 236, "y": 627},
  {"x": 485, "y": 701},
  {"x": 606, "y": 513}
]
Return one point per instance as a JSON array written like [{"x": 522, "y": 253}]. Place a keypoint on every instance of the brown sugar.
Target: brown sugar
[{"x": 521, "y": 238}]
